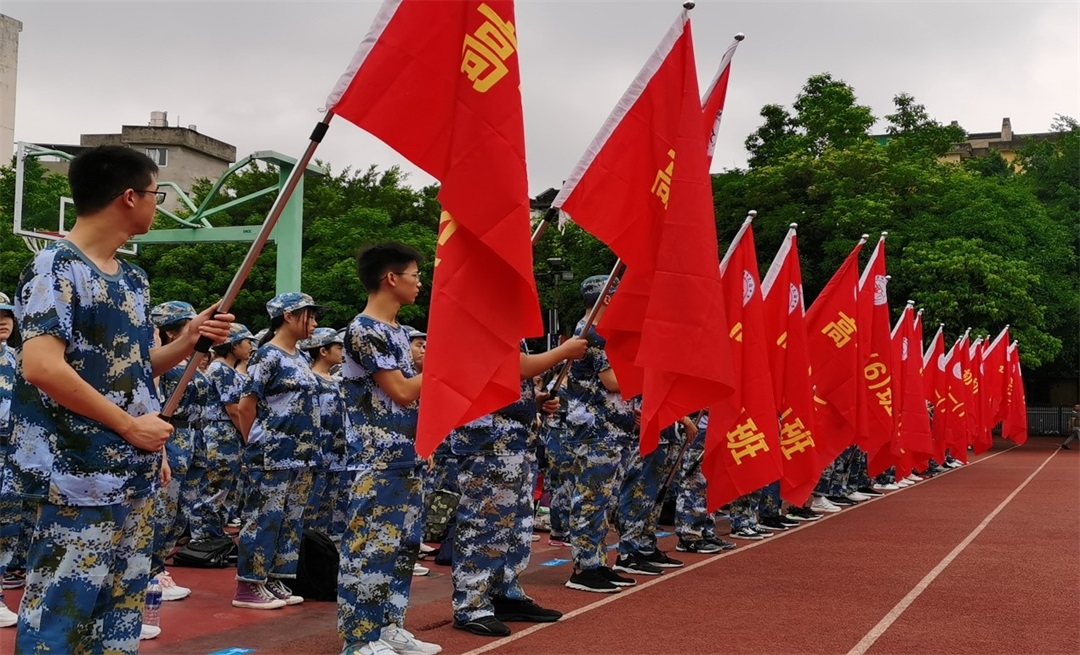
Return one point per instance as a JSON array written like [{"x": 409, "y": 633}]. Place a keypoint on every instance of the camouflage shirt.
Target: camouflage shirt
[
  {"x": 225, "y": 385},
  {"x": 286, "y": 431},
  {"x": 104, "y": 320},
  {"x": 332, "y": 421},
  {"x": 505, "y": 431},
  {"x": 188, "y": 415},
  {"x": 593, "y": 413},
  {"x": 381, "y": 434},
  {"x": 7, "y": 384}
]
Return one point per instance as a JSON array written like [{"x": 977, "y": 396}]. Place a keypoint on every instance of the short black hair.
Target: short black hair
[
  {"x": 374, "y": 262},
  {"x": 98, "y": 175}
]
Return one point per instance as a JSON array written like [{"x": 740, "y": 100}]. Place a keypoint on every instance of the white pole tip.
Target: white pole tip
[{"x": 752, "y": 213}]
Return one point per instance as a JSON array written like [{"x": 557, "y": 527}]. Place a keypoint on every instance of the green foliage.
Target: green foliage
[{"x": 40, "y": 211}]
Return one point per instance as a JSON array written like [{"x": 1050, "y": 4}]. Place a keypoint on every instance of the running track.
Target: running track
[{"x": 984, "y": 559}]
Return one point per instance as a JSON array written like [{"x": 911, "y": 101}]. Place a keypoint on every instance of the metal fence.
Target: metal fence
[{"x": 1049, "y": 420}]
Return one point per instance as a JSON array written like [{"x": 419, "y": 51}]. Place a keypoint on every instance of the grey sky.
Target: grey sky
[{"x": 254, "y": 73}]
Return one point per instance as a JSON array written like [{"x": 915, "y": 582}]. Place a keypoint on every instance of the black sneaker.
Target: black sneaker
[
  {"x": 616, "y": 579},
  {"x": 591, "y": 580},
  {"x": 802, "y": 514},
  {"x": 717, "y": 541},
  {"x": 697, "y": 546},
  {"x": 485, "y": 626},
  {"x": 790, "y": 523},
  {"x": 772, "y": 523},
  {"x": 635, "y": 564},
  {"x": 661, "y": 559},
  {"x": 841, "y": 500},
  {"x": 869, "y": 491},
  {"x": 746, "y": 533},
  {"x": 509, "y": 609}
]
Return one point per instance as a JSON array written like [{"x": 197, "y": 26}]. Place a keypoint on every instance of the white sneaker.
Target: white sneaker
[
  {"x": 904, "y": 483},
  {"x": 405, "y": 643},
  {"x": 420, "y": 570},
  {"x": 7, "y": 617},
  {"x": 954, "y": 464},
  {"x": 149, "y": 632},
  {"x": 426, "y": 549},
  {"x": 856, "y": 496},
  {"x": 822, "y": 504},
  {"x": 169, "y": 589},
  {"x": 914, "y": 478},
  {"x": 371, "y": 648},
  {"x": 885, "y": 487}
]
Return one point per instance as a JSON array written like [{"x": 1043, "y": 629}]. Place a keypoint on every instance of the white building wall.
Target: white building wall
[{"x": 9, "y": 64}]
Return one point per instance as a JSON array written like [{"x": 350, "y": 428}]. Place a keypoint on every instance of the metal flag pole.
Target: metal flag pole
[
  {"x": 544, "y": 224},
  {"x": 670, "y": 477},
  {"x": 590, "y": 320},
  {"x": 202, "y": 347}
]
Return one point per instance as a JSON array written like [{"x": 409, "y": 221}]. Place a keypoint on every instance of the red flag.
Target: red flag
[
  {"x": 877, "y": 425},
  {"x": 789, "y": 360},
  {"x": 742, "y": 448},
  {"x": 995, "y": 378},
  {"x": 1015, "y": 426},
  {"x": 981, "y": 439},
  {"x": 913, "y": 421},
  {"x": 935, "y": 389},
  {"x": 439, "y": 83},
  {"x": 959, "y": 397},
  {"x": 621, "y": 192},
  {"x": 834, "y": 357},
  {"x": 713, "y": 107}
]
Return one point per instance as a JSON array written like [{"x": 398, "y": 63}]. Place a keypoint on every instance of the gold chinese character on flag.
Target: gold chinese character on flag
[
  {"x": 485, "y": 50},
  {"x": 662, "y": 184},
  {"x": 746, "y": 440},
  {"x": 840, "y": 330},
  {"x": 794, "y": 437}
]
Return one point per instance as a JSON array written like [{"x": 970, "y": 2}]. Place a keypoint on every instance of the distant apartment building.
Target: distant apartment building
[
  {"x": 182, "y": 153},
  {"x": 9, "y": 65},
  {"x": 1005, "y": 143}
]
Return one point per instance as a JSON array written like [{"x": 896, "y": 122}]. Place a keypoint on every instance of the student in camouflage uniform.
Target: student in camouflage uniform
[
  {"x": 216, "y": 464},
  {"x": 88, "y": 441},
  {"x": 598, "y": 435},
  {"x": 694, "y": 525},
  {"x": 329, "y": 491},
  {"x": 279, "y": 417},
  {"x": 558, "y": 478},
  {"x": 10, "y": 504},
  {"x": 173, "y": 502},
  {"x": 636, "y": 515},
  {"x": 382, "y": 392},
  {"x": 496, "y": 473}
]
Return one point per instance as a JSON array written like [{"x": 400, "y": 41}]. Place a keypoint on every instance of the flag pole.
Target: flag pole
[
  {"x": 670, "y": 477},
  {"x": 544, "y": 224},
  {"x": 590, "y": 320},
  {"x": 202, "y": 347}
]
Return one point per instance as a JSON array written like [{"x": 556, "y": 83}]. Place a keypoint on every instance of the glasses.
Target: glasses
[
  {"x": 416, "y": 275},
  {"x": 159, "y": 196}
]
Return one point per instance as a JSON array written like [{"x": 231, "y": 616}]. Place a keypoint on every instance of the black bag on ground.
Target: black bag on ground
[
  {"x": 207, "y": 553},
  {"x": 317, "y": 572}
]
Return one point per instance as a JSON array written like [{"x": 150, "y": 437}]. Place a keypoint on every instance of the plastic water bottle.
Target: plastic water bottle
[{"x": 152, "y": 610}]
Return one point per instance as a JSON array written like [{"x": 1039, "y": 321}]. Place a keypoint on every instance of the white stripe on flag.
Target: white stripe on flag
[
  {"x": 382, "y": 19},
  {"x": 777, "y": 263}
]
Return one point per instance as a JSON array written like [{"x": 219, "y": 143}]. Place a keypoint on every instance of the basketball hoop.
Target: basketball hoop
[{"x": 37, "y": 244}]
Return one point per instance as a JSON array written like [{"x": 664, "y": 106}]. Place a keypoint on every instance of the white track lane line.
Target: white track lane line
[
  {"x": 705, "y": 562},
  {"x": 867, "y": 641}
]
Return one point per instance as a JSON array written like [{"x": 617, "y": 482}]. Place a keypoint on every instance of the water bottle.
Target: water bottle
[{"x": 152, "y": 610}]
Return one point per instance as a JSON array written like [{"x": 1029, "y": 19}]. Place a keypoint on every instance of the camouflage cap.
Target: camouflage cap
[
  {"x": 320, "y": 338},
  {"x": 172, "y": 312},
  {"x": 289, "y": 302},
  {"x": 259, "y": 335},
  {"x": 237, "y": 333},
  {"x": 413, "y": 333},
  {"x": 593, "y": 285},
  {"x": 5, "y": 303}
]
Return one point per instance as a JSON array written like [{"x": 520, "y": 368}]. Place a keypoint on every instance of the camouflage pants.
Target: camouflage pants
[
  {"x": 88, "y": 571},
  {"x": 636, "y": 517},
  {"x": 831, "y": 482},
  {"x": 273, "y": 521},
  {"x": 329, "y": 502},
  {"x": 171, "y": 516},
  {"x": 217, "y": 471},
  {"x": 692, "y": 518},
  {"x": 596, "y": 477},
  {"x": 17, "y": 518},
  {"x": 770, "y": 504},
  {"x": 857, "y": 475},
  {"x": 378, "y": 550},
  {"x": 494, "y": 531},
  {"x": 558, "y": 479},
  {"x": 743, "y": 511},
  {"x": 888, "y": 476}
]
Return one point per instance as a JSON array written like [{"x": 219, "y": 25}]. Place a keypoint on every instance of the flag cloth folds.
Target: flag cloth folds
[
  {"x": 981, "y": 439},
  {"x": 834, "y": 358},
  {"x": 439, "y": 83},
  {"x": 789, "y": 361},
  {"x": 877, "y": 370},
  {"x": 916, "y": 444},
  {"x": 935, "y": 389},
  {"x": 643, "y": 188},
  {"x": 742, "y": 446},
  {"x": 995, "y": 378},
  {"x": 716, "y": 95},
  {"x": 959, "y": 399},
  {"x": 1015, "y": 426}
]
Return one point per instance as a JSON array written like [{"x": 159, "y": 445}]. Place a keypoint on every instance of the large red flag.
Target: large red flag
[
  {"x": 959, "y": 399},
  {"x": 834, "y": 357},
  {"x": 716, "y": 95},
  {"x": 981, "y": 439},
  {"x": 877, "y": 424},
  {"x": 935, "y": 389},
  {"x": 621, "y": 192},
  {"x": 789, "y": 360},
  {"x": 742, "y": 448},
  {"x": 995, "y": 378},
  {"x": 913, "y": 421},
  {"x": 439, "y": 83},
  {"x": 1015, "y": 426}
]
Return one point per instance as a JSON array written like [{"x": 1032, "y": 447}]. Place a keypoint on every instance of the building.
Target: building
[
  {"x": 182, "y": 153},
  {"x": 1005, "y": 143},
  {"x": 9, "y": 65}
]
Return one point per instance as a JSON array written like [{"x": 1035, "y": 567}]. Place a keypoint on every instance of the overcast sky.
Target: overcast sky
[{"x": 254, "y": 74}]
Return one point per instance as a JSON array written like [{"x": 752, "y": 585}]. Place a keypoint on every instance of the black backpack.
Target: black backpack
[
  {"x": 317, "y": 572},
  {"x": 213, "y": 553}
]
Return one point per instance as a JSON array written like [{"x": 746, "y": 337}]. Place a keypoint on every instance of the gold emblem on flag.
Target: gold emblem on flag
[
  {"x": 447, "y": 227},
  {"x": 662, "y": 184},
  {"x": 485, "y": 51},
  {"x": 794, "y": 437},
  {"x": 736, "y": 332},
  {"x": 746, "y": 440},
  {"x": 877, "y": 372},
  {"x": 840, "y": 330}
]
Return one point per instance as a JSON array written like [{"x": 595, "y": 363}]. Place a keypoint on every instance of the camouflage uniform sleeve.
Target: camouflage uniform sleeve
[
  {"x": 371, "y": 348},
  {"x": 46, "y": 301},
  {"x": 260, "y": 371}
]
